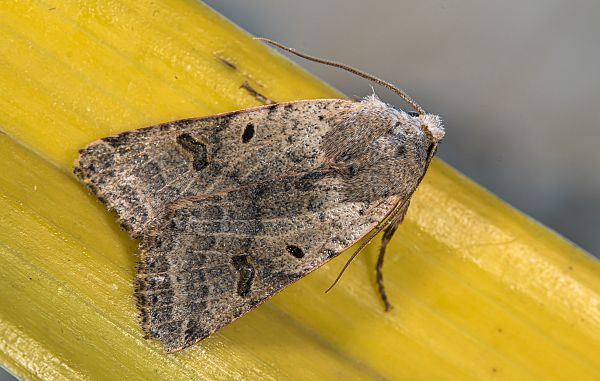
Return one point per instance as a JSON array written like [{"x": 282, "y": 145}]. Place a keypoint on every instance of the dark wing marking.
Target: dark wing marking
[
  {"x": 234, "y": 207},
  {"x": 138, "y": 172},
  {"x": 218, "y": 257}
]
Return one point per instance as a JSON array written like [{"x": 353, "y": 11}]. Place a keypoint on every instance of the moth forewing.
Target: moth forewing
[{"x": 232, "y": 208}]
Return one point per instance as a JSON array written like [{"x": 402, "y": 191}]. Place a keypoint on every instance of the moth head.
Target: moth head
[{"x": 431, "y": 125}]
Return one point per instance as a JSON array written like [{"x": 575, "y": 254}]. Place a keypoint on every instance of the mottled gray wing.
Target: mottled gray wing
[
  {"x": 139, "y": 172},
  {"x": 232, "y": 208},
  {"x": 221, "y": 255}
]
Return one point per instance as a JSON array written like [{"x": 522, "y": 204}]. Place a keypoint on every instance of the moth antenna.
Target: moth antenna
[
  {"x": 388, "y": 221},
  {"x": 352, "y": 70}
]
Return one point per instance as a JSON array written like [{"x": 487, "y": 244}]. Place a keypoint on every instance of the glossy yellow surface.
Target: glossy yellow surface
[{"x": 480, "y": 291}]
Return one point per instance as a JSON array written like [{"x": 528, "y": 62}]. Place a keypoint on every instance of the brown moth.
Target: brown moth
[{"x": 232, "y": 208}]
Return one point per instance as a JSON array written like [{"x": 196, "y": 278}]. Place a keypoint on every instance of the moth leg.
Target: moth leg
[{"x": 387, "y": 236}]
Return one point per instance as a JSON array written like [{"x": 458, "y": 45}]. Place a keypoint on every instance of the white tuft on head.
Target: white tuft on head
[
  {"x": 430, "y": 124},
  {"x": 433, "y": 123}
]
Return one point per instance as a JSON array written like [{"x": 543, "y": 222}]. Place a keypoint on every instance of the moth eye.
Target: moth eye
[
  {"x": 429, "y": 149},
  {"x": 413, "y": 113}
]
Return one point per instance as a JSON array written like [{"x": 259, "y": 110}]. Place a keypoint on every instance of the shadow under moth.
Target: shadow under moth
[{"x": 232, "y": 208}]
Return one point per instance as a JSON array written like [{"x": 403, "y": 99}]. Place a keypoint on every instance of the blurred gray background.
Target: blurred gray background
[{"x": 517, "y": 83}]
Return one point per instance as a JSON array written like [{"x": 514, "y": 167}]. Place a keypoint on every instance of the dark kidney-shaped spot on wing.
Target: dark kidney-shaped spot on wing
[
  {"x": 245, "y": 274},
  {"x": 196, "y": 148}
]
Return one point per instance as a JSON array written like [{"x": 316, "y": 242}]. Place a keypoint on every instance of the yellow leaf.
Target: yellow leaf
[{"x": 480, "y": 291}]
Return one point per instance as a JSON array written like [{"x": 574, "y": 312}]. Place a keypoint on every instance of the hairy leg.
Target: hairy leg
[{"x": 387, "y": 236}]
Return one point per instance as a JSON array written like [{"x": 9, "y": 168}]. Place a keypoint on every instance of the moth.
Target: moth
[{"x": 232, "y": 208}]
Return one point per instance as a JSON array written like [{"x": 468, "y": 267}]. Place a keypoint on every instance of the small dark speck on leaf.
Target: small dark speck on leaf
[{"x": 227, "y": 62}]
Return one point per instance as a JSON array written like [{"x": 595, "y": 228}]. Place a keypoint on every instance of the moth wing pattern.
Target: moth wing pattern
[
  {"x": 137, "y": 172},
  {"x": 232, "y": 208},
  {"x": 220, "y": 256}
]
